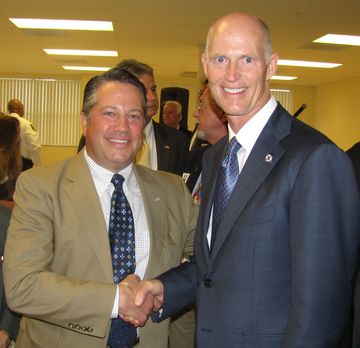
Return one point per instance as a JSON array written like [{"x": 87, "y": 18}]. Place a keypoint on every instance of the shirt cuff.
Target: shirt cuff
[{"x": 115, "y": 310}]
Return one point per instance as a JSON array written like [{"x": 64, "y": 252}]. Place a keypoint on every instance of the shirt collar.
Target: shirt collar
[
  {"x": 250, "y": 131},
  {"x": 149, "y": 129},
  {"x": 102, "y": 177}
]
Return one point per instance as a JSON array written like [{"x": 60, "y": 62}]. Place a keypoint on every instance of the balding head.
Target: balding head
[
  {"x": 239, "y": 65},
  {"x": 241, "y": 19},
  {"x": 16, "y": 106}
]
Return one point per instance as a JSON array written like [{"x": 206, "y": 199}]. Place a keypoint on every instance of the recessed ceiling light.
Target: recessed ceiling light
[
  {"x": 281, "y": 77},
  {"x": 32, "y": 23},
  {"x": 307, "y": 64},
  {"x": 86, "y": 68},
  {"x": 337, "y": 39},
  {"x": 96, "y": 53}
]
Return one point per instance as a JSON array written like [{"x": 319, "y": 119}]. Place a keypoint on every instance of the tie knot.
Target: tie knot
[
  {"x": 234, "y": 146},
  {"x": 117, "y": 180}
]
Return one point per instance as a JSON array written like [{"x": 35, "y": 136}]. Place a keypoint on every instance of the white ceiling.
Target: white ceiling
[{"x": 169, "y": 34}]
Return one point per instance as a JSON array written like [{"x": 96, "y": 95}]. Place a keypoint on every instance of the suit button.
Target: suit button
[{"x": 207, "y": 283}]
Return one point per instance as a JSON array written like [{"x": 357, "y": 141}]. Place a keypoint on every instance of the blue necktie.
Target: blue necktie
[
  {"x": 122, "y": 244},
  {"x": 226, "y": 180}
]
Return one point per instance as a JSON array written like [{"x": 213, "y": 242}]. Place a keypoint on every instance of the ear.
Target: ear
[
  {"x": 204, "y": 63},
  {"x": 272, "y": 67},
  {"x": 83, "y": 123}
]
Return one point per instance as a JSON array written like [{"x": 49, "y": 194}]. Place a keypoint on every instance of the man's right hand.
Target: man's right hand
[
  {"x": 137, "y": 315},
  {"x": 150, "y": 288}
]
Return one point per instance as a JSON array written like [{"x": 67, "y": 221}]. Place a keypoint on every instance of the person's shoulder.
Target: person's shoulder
[
  {"x": 157, "y": 177},
  {"x": 170, "y": 132}
]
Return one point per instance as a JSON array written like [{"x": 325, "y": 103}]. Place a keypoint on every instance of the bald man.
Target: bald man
[
  {"x": 276, "y": 255},
  {"x": 30, "y": 144}
]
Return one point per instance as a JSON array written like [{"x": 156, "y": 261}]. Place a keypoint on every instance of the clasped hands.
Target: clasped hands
[{"x": 138, "y": 299}]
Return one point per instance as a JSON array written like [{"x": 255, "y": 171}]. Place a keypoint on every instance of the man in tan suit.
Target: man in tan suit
[{"x": 58, "y": 264}]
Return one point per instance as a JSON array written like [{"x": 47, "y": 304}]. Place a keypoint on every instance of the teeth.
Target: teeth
[
  {"x": 118, "y": 141},
  {"x": 234, "y": 90}
]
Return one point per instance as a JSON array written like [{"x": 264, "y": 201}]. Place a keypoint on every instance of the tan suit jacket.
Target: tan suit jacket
[{"x": 57, "y": 266}]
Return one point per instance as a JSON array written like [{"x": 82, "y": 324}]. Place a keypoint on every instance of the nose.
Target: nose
[
  {"x": 121, "y": 123},
  {"x": 232, "y": 72}
]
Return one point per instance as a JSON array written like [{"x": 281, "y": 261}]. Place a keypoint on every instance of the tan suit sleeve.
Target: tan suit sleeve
[{"x": 50, "y": 270}]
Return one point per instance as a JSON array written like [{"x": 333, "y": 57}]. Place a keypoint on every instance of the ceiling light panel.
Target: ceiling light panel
[
  {"x": 32, "y": 23},
  {"x": 337, "y": 39},
  {"x": 86, "y": 68},
  {"x": 307, "y": 64},
  {"x": 93, "y": 53},
  {"x": 282, "y": 77}
]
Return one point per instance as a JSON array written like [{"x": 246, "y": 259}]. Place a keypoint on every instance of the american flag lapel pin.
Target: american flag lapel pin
[{"x": 268, "y": 158}]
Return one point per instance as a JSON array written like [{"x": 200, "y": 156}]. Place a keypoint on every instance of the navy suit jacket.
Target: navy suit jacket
[
  {"x": 171, "y": 147},
  {"x": 280, "y": 272}
]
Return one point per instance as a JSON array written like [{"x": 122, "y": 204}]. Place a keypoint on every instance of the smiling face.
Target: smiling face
[
  {"x": 236, "y": 67},
  {"x": 113, "y": 128}
]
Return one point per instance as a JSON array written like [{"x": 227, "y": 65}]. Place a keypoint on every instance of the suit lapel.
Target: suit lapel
[
  {"x": 264, "y": 156},
  {"x": 81, "y": 191},
  {"x": 210, "y": 165},
  {"x": 154, "y": 203}
]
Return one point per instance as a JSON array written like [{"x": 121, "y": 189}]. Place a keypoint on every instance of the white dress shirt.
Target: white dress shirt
[
  {"x": 29, "y": 140},
  {"x": 150, "y": 138},
  {"x": 104, "y": 188},
  {"x": 247, "y": 137}
]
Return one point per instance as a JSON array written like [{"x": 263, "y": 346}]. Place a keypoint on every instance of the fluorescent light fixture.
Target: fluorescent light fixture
[
  {"x": 339, "y": 39},
  {"x": 86, "y": 68},
  {"x": 81, "y": 52},
  {"x": 307, "y": 64},
  {"x": 281, "y": 77},
  {"x": 32, "y": 23}
]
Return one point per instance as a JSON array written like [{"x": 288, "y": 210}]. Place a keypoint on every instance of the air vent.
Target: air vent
[
  {"x": 323, "y": 47},
  {"x": 45, "y": 33}
]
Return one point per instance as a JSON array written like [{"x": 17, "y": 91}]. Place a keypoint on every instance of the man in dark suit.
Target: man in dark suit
[
  {"x": 278, "y": 269},
  {"x": 212, "y": 126},
  {"x": 9, "y": 321},
  {"x": 165, "y": 146}
]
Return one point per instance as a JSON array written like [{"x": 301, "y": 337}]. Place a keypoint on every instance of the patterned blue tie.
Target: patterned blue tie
[
  {"x": 226, "y": 180},
  {"x": 122, "y": 244}
]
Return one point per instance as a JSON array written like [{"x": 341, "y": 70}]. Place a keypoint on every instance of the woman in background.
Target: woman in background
[{"x": 10, "y": 158}]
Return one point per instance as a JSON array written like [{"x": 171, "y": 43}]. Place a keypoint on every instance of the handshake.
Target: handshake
[{"x": 138, "y": 299}]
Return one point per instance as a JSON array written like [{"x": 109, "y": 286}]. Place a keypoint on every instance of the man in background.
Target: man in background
[
  {"x": 63, "y": 265},
  {"x": 212, "y": 126},
  {"x": 30, "y": 144},
  {"x": 277, "y": 237},
  {"x": 172, "y": 115},
  {"x": 163, "y": 147}
]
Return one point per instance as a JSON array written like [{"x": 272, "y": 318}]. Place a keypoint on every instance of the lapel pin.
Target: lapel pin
[
  {"x": 167, "y": 147},
  {"x": 268, "y": 158}
]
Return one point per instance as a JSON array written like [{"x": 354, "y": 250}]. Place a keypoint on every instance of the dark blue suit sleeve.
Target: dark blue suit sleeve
[
  {"x": 180, "y": 284},
  {"x": 324, "y": 232}
]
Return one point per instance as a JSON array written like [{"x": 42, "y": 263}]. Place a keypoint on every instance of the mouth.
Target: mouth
[
  {"x": 118, "y": 141},
  {"x": 234, "y": 90}
]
